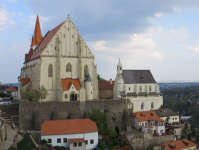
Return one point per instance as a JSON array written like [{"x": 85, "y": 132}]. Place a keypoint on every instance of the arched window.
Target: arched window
[
  {"x": 120, "y": 68},
  {"x": 66, "y": 96},
  {"x": 68, "y": 68},
  {"x": 150, "y": 88},
  {"x": 140, "y": 88},
  {"x": 85, "y": 71},
  {"x": 142, "y": 105},
  {"x": 152, "y": 105},
  {"x": 50, "y": 70}
]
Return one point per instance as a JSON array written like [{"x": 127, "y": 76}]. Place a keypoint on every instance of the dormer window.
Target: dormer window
[
  {"x": 47, "y": 35},
  {"x": 35, "y": 51},
  {"x": 54, "y": 31},
  {"x": 38, "y": 50},
  {"x": 42, "y": 48},
  {"x": 152, "y": 114}
]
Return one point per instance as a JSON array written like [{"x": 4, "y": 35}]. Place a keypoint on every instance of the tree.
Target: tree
[
  {"x": 43, "y": 93},
  {"x": 99, "y": 117},
  {"x": 98, "y": 77},
  {"x": 113, "y": 134},
  {"x": 30, "y": 95},
  {"x": 117, "y": 130},
  {"x": 9, "y": 93},
  {"x": 189, "y": 137}
]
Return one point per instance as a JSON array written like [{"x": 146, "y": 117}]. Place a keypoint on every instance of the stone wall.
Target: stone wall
[
  {"x": 9, "y": 109},
  {"x": 32, "y": 115},
  {"x": 143, "y": 141}
]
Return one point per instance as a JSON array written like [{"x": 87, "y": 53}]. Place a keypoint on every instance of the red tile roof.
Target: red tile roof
[
  {"x": 66, "y": 83},
  {"x": 24, "y": 81},
  {"x": 76, "y": 140},
  {"x": 11, "y": 89},
  {"x": 29, "y": 53},
  {"x": 178, "y": 145},
  {"x": 37, "y": 33},
  {"x": 147, "y": 116},
  {"x": 105, "y": 85},
  {"x": 44, "y": 42},
  {"x": 69, "y": 126}
]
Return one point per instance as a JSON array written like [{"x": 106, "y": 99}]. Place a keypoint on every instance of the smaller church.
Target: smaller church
[{"x": 140, "y": 87}]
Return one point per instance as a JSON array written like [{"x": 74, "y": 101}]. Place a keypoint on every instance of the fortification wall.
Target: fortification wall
[
  {"x": 9, "y": 109},
  {"x": 32, "y": 115}
]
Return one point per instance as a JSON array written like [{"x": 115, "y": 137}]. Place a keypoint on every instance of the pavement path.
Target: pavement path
[{"x": 10, "y": 137}]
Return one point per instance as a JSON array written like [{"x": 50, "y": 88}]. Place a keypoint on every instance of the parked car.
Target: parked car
[{"x": 1, "y": 98}]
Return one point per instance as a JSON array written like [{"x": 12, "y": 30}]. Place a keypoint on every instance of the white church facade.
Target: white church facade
[
  {"x": 140, "y": 87},
  {"x": 62, "y": 62}
]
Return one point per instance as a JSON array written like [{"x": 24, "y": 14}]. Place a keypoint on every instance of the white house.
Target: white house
[
  {"x": 74, "y": 133},
  {"x": 139, "y": 86},
  {"x": 148, "y": 122}
]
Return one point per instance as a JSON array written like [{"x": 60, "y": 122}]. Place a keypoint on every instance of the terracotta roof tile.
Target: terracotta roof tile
[
  {"x": 76, "y": 140},
  {"x": 24, "y": 81},
  {"x": 66, "y": 83},
  {"x": 179, "y": 144},
  {"x": 48, "y": 37},
  {"x": 37, "y": 33},
  {"x": 69, "y": 126},
  {"x": 105, "y": 85},
  {"x": 11, "y": 89},
  {"x": 147, "y": 116}
]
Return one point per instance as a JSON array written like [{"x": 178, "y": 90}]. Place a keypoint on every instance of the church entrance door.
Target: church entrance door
[
  {"x": 75, "y": 97},
  {"x": 72, "y": 97}
]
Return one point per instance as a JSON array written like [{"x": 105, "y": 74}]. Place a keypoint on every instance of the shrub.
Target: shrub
[
  {"x": 60, "y": 148},
  {"x": 115, "y": 143},
  {"x": 2, "y": 94},
  {"x": 101, "y": 145},
  {"x": 182, "y": 121},
  {"x": 43, "y": 142},
  {"x": 113, "y": 134},
  {"x": 26, "y": 143}
]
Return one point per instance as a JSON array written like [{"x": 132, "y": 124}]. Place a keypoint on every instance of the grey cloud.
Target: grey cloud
[{"x": 105, "y": 20}]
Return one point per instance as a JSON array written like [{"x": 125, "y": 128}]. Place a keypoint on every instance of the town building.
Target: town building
[
  {"x": 62, "y": 62},
  {"x": 105, "y": 89},
  {"x": 14, "y": 92},
  {"x": 183, "y": 144},
  {"x": 168, "y": 115},
  {"x": 73, "y": 133},
  {"x": 139, "y": 86},
  {"x": 148, "y": 122}
]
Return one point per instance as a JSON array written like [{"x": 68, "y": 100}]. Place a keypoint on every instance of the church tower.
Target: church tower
[
  {"x": 37, "y": 37},
  {"x": 119, "y": 67}
]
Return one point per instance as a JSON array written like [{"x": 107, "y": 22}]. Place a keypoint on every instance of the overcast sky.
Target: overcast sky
[{"x": 162, "y": 36}]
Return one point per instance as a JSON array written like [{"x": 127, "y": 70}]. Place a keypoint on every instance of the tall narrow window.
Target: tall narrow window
[
  {"x": 55, "y": 48},
  {"x": 140, "y": 88},
  {"x": 149, "y": 88},
  {"x": 129, "y": 88},
  {"x": 152, "y": 105},
  {"x": 50, "y": 70},
  {"x": 142, "y": 105},
  {"x": 72, "y": 36},
  {"x": 68, "y": 29},
  {"x": 64, "y": 35},
  {"x": 85, "y": 71},
  {"x": 68, "y": 68}
]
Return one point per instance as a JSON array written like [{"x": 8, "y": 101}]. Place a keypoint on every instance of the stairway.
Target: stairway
[{"x": 7, "y": 119}]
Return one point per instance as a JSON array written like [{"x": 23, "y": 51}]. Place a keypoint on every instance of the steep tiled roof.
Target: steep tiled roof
[
  {"x": 165, "y": 112},
  {"x": 24, "y": 81},
  {"x": 178, "y": 145},
  {"x": 66, "y": 83},
  {"x": 105, "y": 85},
  {"x": 29, "y": 53},
  {"x": 76, "y": 140},
  {"x": 137, "y": 76},
  {"x": 44, "y": 42},
  {"x": 37, "y": 33},
  {"x": 147, "y": 116},
  {"x": 69, "y": 126},
  {"x": 11, "y": 89}
]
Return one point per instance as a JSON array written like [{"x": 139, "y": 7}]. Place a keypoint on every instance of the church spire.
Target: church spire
[{"x": 37, "y": 37}]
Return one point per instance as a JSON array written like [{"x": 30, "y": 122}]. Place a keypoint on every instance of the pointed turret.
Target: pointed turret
[
  {"x": 119, "y": 67},
  {"x": 37, "y": 37}
]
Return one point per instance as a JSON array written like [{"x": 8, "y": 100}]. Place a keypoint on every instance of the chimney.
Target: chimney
[{"x": 111, "y": 81}]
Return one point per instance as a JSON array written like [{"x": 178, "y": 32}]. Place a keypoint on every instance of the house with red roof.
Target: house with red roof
[
  {"x": 148, "y": 122},
  {"x": 73, "y": 133},
  {"x": 14, "y": 92},
  {"x": 62, "y": 62},
  {"x": 183, "y": 144},
  {"x": 105, "y": 89}
]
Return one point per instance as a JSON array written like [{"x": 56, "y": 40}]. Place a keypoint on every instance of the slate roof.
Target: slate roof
[
  {"x": 178, "y": 145},
  {"x": 137, "y": 76},
  {"x": 69, "y": 126},
  {"x": 105, "y": 85},
  {"x": 166, "y": 112},
  {"x": 88, "y": 78}
]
